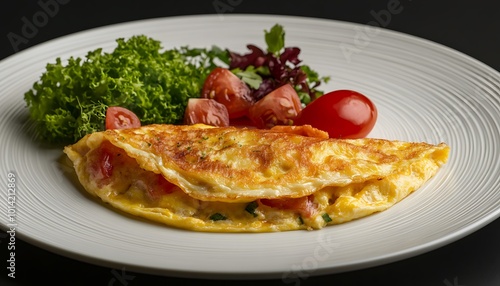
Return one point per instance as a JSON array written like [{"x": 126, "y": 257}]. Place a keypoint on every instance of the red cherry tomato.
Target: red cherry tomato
[
  {"x": 228, "y": 89},
  {"x": 341, "y": 113},
  {"x": 120, "y": 118},
  {"x": 279, "y": 107},
  {"x": 206, "y": 111}
]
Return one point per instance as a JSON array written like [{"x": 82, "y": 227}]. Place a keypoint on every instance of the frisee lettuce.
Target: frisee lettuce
[{"x": 70, "y": 99}]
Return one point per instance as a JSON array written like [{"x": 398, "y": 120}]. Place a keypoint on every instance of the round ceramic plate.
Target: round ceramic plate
[{"x": 423, "y": 91}]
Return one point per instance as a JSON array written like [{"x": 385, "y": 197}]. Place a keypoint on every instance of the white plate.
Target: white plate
[{"x": 424, "y": 92}]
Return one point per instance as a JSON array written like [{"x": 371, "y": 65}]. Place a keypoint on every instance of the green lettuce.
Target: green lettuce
[{"x": 70, "y": 99}]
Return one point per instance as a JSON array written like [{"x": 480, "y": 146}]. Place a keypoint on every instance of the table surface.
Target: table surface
[{"x": 466, "y": 26}]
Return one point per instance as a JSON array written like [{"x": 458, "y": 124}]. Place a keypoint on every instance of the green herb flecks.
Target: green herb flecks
[
  {"x": 217, "y": 217},
  {"x": 326, "y": 218},
  {"x": 251, "y": 207},
  {"x": 301, "y": 220}
]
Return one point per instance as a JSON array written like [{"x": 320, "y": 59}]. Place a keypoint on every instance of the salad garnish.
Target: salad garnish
[{"x": 73, "y": 98}]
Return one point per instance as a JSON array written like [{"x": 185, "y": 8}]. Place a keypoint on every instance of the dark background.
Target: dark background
[{"x": 471, "y": 27}]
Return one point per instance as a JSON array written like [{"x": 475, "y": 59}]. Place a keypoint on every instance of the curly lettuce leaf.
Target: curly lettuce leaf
[{"x": 71, "y": 98}]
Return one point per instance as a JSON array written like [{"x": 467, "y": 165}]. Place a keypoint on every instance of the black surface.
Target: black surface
[{"x": 471, "y": 27}]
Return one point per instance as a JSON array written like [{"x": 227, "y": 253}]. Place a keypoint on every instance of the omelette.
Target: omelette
[{"x": 229, "y": 179}]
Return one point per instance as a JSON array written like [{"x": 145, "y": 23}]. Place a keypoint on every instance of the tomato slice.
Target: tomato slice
[
  {"x": 121, "y": 118},
  {"x": 206, "y": 111},
  {"x": 226, "y": 88},
  {"x": 279, "y": 107},
  {"x": 303, "y": 205},
  {"x": 341, "y": 113}
]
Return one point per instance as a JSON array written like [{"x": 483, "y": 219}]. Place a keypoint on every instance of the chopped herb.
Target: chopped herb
[
  {"x": 250, "y": 208},
  {"x": 326, "y": 217},
  {"x": 217, "y": 216},
  {"x": 301, "y": 221}
]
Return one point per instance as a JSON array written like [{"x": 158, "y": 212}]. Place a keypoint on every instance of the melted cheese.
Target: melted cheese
[{"x": 218, "y": 172}]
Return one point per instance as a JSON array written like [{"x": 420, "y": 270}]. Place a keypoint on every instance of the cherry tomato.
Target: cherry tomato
[
  {"x": 341, "y": 113},
  {"x": 303, "y": 205},
  {"x": 206, "y": 111},
  {"x": 120, "y": 118},
  {"x": 279, "y": 107},
  {"x": 228, "y": 89}
]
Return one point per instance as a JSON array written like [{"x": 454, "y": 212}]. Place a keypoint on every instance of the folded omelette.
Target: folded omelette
[{"x": 228, "y": 179}]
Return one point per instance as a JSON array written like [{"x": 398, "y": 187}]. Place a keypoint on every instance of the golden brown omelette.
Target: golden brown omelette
[{"x": 228, "y": 179}]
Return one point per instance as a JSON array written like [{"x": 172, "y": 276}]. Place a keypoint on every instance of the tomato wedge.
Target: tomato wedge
[
  {"x": 120, "y": 118},
  {"x": 279, "y": 107},
  {"x": 341, "y": 113},
  {"x": 206, "y": 111},
  {"x": 226, "y": 88}
]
